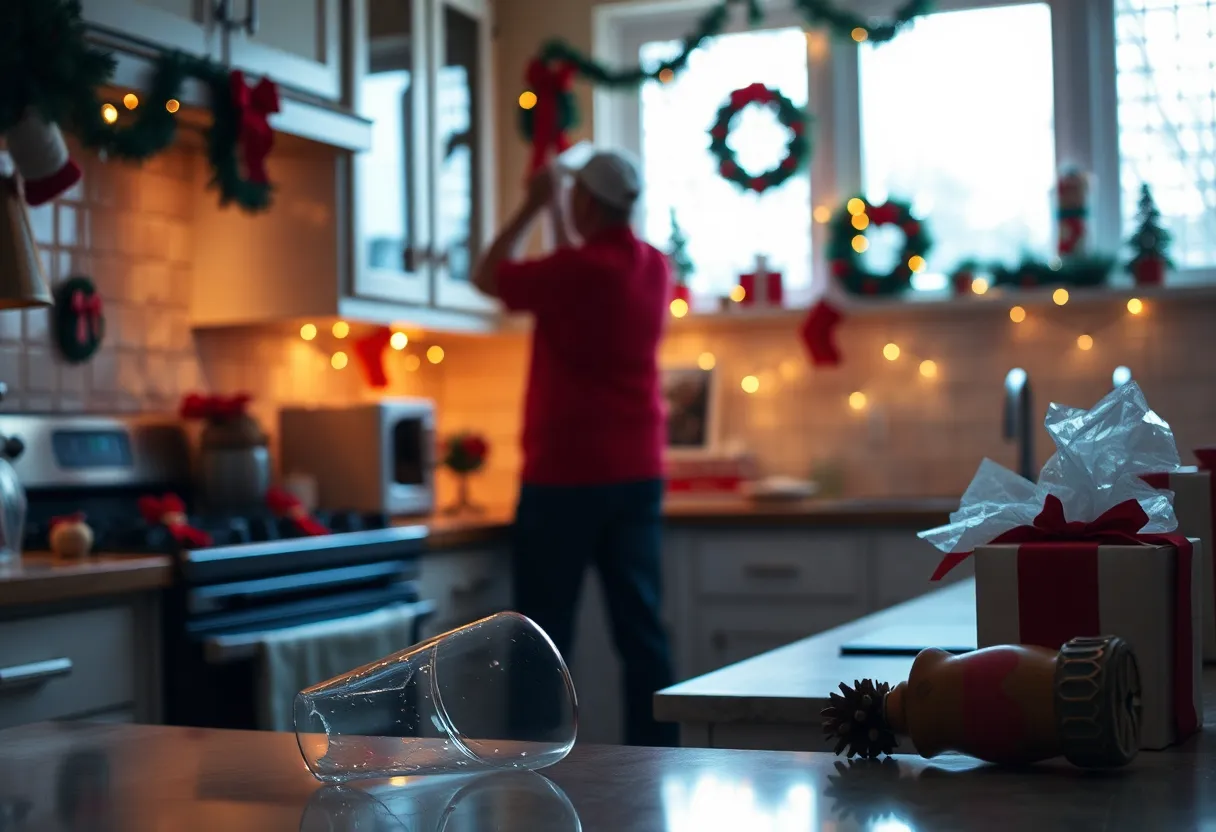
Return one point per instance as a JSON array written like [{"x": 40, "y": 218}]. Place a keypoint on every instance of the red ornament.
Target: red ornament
[
  {"x": 840, "y": 268},
  {"x": 475, "y": 448},
  {"x": 796, "y": 128},
  {"x": 728, "y": 169},
  {"x": 254, "y": 105},
  {"x": 758, "y": 184},
  {"x": 287, "y": 505},
  {"x": 370, "y": 352},
  {"x": 911, "y": 228},
  {"x": 681, "y": 292},
  {"x": 884, "y": 214},
  {"x": 818, "y": 333},
  {"x": 88, "y": 311},
  {"x": 719, "y": 133},
  {"x": 169, "y": 511}
]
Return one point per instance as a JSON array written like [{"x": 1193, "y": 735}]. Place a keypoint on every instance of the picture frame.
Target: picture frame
[{"x": 690, "y": 397}]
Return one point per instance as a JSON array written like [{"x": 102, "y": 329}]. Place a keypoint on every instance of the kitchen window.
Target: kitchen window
[{"x": 969, "y": 114}]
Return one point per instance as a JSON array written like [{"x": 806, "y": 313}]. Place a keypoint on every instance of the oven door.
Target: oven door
[{"x": 408, "y": 443}]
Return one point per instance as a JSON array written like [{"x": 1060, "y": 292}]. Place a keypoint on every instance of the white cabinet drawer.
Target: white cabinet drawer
[
  {"x": 777, "y": 564},
  {"x": 727, "y": 633},
  {"x": 63, "y": 665}
]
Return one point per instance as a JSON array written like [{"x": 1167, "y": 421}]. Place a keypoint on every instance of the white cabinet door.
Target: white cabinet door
[
  {"x": 462, "y": 135},
  {"x": 178, "y": 24},
  {"x": 391, "y": 202},
  {"x": 298, "y": 43}
]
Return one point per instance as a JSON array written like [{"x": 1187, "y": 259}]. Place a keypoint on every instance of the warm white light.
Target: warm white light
[
  {"x": 434, "y": 354},
  {"x": 1085, "y": 342},
  {"x": 917, "y": 263},
  {"x": 860, "y": 35},
  {"x": 979, "y": 285},
  {"x": 527, "y": 99},
  {"x": 341, "y": 329},
  {"x": 173, "y": 105},
  {"x": 412, "y": 363},
  {"x": 823, "y": 215},
  {"x": 1060, "y": 296},
  {"x": 398, "y": 341},
  {"x": 928, "y": 368},
  {"x": 1017, "y": 314},
  {"x": 891, "y": 352},
  {"x": 857, "y": 401},
  {"x": 679, "y": 308},
  {"x": 856, "y": 206},
  {"x": 130, "y": 101},
  {"x": 737, "y": 294},
  {"x": 860, "y": 243},
  {"x": 750, "y": 384},
  {"x": 1135, "y": 306},
  {"x": 109, "y": 113},
  {"x": 308, "y": 332},
  {"x": 706, "y": 361},
  {"x": 338, "y": 360}
]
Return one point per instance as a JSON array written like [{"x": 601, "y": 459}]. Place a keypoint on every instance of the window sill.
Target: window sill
[{"x": 934, "y": 303}]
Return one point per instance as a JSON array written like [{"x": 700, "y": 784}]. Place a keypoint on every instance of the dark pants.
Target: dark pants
[{"x": 559, "y": 532}]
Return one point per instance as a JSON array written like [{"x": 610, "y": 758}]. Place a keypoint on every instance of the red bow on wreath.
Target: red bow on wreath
[
  {"x": 549, "y": 85},
  {"x": 285, "y": 504},
  {"x": 88, "y": 311},
  {"x": 169, "y": 511},
  {"x": 254, "y": 105}
]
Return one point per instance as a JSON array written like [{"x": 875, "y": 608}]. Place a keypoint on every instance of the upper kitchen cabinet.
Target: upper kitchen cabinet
[
  {"x": 296, "y": 42},
  {"x": 421, "y": 193},
  {"x": 187, "y": 25}
]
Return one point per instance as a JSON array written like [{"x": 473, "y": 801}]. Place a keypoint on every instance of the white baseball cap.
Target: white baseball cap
[{"x": 612, "y": 177}]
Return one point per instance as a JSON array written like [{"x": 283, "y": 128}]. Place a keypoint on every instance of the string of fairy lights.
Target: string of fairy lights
[
  {"x": 928, "y": 367},
  {"x": 339, "y": 359}
]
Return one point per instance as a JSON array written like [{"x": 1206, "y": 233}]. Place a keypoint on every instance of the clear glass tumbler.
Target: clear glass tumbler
[
  {"x": 494, "y": 694},
  {"x": 503, "y": 801}
]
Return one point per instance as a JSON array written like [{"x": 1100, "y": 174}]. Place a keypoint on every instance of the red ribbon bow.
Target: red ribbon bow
[
  {"x": 169, "y": 511},
  {"x": 1052, "y": 611},
  {"x": 88, "y": 311},
  {"x": 254, "y": 105},
  {"x": 285, "y": 504},
  {"x": 549, "y": 84}
]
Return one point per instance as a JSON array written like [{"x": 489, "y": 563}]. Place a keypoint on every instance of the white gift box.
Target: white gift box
[
  {"x": 1047, "y": 593},
  {"x": 1194, "y": 508}
]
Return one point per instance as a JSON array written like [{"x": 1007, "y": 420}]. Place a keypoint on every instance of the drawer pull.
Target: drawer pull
[
  {"x": 772, "y": 571},
  {"x": 34, "y": 673}
]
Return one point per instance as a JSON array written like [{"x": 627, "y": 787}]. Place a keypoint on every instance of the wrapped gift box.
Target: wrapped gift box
[
  {"x": 1046, "y": 593},
  {"x": 762, "y": 287},
  {"x": 1195, "y": 508}
]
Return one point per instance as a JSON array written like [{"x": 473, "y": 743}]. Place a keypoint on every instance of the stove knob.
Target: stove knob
[{"x": 13, "y": 447}]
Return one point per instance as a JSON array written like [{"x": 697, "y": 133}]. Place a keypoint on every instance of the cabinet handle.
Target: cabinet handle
[
  {"x": 223, "y": 16},
  {"x": 33, "y": 674},
  {"x": 772, "y": 571}
]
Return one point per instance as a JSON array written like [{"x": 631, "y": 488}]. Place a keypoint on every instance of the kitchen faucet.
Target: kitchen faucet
[{"x": 1019, "y": 420}]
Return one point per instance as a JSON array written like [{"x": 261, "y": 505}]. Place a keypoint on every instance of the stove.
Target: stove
[{"x": 259, "y": 574}]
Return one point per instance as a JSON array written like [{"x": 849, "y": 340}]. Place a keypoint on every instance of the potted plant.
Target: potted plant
[
  {"x": 234, "y": 462},
  {"x": 464, "y": 454},
  {"x": 1150, "y": 244}
]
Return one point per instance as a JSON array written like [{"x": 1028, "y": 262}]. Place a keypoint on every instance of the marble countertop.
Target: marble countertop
[
  {"x": 790, "y": 685},
  {"x": 127, "y": 778}
]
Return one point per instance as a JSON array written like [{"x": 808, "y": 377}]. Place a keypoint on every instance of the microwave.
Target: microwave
[{"x": 372, "y": 457}]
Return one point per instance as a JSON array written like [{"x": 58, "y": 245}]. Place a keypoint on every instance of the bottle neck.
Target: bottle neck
[{"x": 894, "y": 710}]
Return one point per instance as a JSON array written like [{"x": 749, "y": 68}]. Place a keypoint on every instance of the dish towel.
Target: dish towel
[{"x": 295, "y": 658}]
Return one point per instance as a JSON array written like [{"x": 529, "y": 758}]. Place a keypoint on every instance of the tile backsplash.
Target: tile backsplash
[{"x": 130, "y": 228}]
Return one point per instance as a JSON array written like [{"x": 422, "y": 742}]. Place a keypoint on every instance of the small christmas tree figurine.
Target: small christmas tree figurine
[
  {"x": 1150, "y": 244},
  {"x": 681, "y": 263}
]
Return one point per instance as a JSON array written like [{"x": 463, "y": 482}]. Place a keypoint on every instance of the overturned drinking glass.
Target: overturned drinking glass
[{"x": 494, "y": 694}]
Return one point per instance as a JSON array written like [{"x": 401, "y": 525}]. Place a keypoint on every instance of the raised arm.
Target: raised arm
[{"x": 507, "y": 245}]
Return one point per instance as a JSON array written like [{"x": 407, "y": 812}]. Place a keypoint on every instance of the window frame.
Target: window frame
[{"x": 1086, "y": 99}]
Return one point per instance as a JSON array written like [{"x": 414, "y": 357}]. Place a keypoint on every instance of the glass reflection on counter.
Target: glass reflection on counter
[{"x": 710, "y": 803}]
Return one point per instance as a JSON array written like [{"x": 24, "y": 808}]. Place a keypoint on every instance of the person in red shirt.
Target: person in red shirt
[{"x": 594, "y": 423}]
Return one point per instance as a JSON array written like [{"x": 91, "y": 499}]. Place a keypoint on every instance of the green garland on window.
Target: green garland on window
[
  {"x": 817, "y": 13},
  {"x": 792, "y": 117}
]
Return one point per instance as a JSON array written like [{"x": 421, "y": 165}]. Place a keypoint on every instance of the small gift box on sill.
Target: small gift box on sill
[
  {"x": 1089, "y": 550},
  {"x": 1195, "y": 506},
  {"x": 762, "y": 287}
]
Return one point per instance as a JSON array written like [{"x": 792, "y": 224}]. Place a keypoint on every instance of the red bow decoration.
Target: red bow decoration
[
  {"x": 284, "y": 504},
  {"x": 75, "y": 517},
  {"x": 755, "y": 93},
  {"x": 88, "y": 310},
  {"x": 254, "y": 105},
  {"x": 549, "y": 85},
  {"x": 1118, "y": 526},
  {"x": 214, "y": 408},
  {"x": 169, "y": 511}
]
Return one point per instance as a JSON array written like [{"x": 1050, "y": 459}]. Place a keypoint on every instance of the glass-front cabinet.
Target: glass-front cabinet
[{"x": 421, "y": 191}]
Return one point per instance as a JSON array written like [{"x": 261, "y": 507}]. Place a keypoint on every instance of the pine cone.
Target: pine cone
[{"x": 855, "y": 720}]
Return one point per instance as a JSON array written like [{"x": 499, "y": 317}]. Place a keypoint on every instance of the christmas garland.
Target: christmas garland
[
  {"x": 818, "y": 13},
  {"x": 847, "y": 240},
  {"x": 48, "y": 64},
  {"x": 792, "y": 117}
]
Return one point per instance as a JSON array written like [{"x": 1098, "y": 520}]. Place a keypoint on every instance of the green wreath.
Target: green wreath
[
  {"x": 80, "y": 325},
  {"x": 48, "y": 64},
  {"x": 795, "y": 119},
  {"x": 847, "y": 240}
]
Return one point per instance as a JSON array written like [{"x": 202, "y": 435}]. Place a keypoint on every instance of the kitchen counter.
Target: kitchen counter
[
  {"x": 41, "y": 578},
  {"x": 128, "y": 778},
  {"x": 452, "y": 532}
]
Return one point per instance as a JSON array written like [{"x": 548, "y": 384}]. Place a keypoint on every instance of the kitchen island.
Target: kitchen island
[
  {"x": 773, "y": 701},
  {"x": 133, "y": 778}
]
